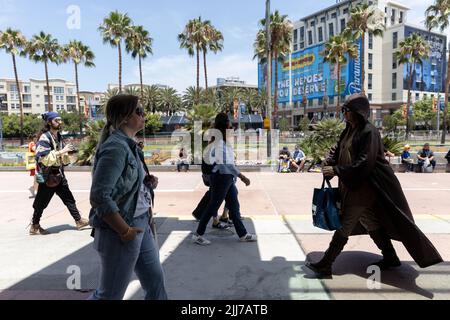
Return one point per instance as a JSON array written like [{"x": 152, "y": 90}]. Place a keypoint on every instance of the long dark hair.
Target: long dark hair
[
  {"x": 221, "y": 123},
  {"x": 118, "y": 109}
]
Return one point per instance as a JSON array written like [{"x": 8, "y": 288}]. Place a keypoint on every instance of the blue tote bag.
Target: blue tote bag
[{"x": 326, "y": 207}]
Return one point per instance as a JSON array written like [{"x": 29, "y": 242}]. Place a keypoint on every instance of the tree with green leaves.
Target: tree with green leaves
[
  {"x": 151, "y": 98},
  {"x": 78, "y": 53},
  {"x": 337, "y": 49},
  {"x": 213, "y": 41},
  {"x": 438, "y": 16},
  {"x": 108, "y": 95},
  {"x": 190, "y": 97},
  {"x": 88, "y": 147},
  {"x": 423, "y": 111},
  {"x": 201, "y": 112},
  {"x": 193, "y": 40},
  {"x": 365, "y": 19},
  {"x": 281, "y": 37},
  {"x": 139, "y": 43},
  {"x": 393, "y": 121},
  {"x": 14, "y": 43},
  {"x": 115, "y": 28},
  {"x": 152, "y": 123},
  {"x": 412, "y": 50},
  {"x": 44, "y": 48},
  {"x": 170, "y": 101}
]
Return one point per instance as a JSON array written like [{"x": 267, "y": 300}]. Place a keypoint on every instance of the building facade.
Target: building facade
[
  {"x": 304, "y": 79},
  {"x": 34, "y": 96},
  {"x": 91, "y": 103}
]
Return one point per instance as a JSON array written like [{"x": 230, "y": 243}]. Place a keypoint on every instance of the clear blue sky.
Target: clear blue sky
[{"x": 237, "y": 19}]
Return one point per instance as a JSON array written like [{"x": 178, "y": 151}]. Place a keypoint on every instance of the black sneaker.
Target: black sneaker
[{"x": 221, "y": 225}]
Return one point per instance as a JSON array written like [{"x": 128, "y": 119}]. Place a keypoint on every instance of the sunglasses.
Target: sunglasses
[{"x": 140, "y": 111}]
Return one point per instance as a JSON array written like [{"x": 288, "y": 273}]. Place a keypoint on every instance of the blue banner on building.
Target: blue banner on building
[{"x": 306, "y": 74}]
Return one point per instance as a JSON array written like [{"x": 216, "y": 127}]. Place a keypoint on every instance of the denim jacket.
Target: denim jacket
[{"x": 116, "y": 180}]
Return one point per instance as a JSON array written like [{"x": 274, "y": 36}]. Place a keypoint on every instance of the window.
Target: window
[
  {"x": 394, "y": 61},
  {"x": 310, "y": 39},
  {"x": 295, "y": 35},
  {"x": 59, "y": 98},
  {"x": 394, "y": 40},
  {"x": 394, "y": 80},
  {"x": 320, "y": 101},
  {"x": 295, "y": 47},
  {"x": 369, "y": 96},
  {"x": 2, "y": 87},
  {"x": 302, "y": 34},
  {"x": 345, "y": 11},
  {"x": 342, "y": 24},
  {"x": 313, "y": 23},
  {"x": 71, "y": 100},
  {"x": 400, "y": 19},
  {"x": 26, "y": 89},
  {"x": 322, "y": 19},
  {"x": 331, "y": 30},
  {"x": 58, "y": 90},
  {"x": 394, "y": 96},
  {"x": 333, "y": 15},
  {"x": 393, "y": 16},
  {"x": 302, "y": 45},
  {"x": 26, "y": 97},
  {"x": 12, "y": 88},
  {"x": 310, "y": 102},
  {"x": 370, "y": 61},
  {"x": 331, "y": 100},
  {"x": 417, "y": 96},
  {"x": 370, "y": 81},
  {"x": 320, "y": 34},
  {"x": 27, "y": 105},
  {"x": 370, "y": 40}
]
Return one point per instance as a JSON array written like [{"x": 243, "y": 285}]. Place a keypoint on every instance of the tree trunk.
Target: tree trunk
[
  {"x": 198, "y": 74},
  {"x": 206, "y": 73},
  {"x": 363, "y": 66},
  {"x": 408, "y": 101},
  {"x": 120, "y": 68},
  {"x": 20, "y": 98},
  {"x": 444, "y": 118},
  {"x": 338, "y": 88},
  {"x": 275, "y": 93},
  {"x": 140, "y": 75},
  {"x": 50, "y": 107},
  {"x": 80, "y": 112}
]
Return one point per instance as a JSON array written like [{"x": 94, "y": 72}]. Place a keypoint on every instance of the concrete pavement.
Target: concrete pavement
[{"x": 276, "y": 206}]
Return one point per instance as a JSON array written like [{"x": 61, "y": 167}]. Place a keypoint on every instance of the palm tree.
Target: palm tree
[
  {"x": 151, "y": 98},
  {"x": 412, "y": 50},
  {"x": 115, "y": 27},
  {"x": 213, "y": 42},
  {"x": 201, "y": 112},
  {"x": 170, "y": 102},
  {"x": 44, "y": 48},
  {"x": 78, "y": 53},
  {"x": 14, "y": 43},
  {"x": 209, "y": 96},
  {"x": 336, "y": 50},
  {"x": 139, "y": 43},
  {"x": 191, "y": 96},
  {"x": 108, "y": 95},
  {"x": 281, "y": 37},
  {"x": 363, "y": 19},
  {"x": 193, "y": 40},
  {"x": 438, "y": 16}
]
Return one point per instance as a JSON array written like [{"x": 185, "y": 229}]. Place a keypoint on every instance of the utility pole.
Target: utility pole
[{"x": 269, "y": 79}]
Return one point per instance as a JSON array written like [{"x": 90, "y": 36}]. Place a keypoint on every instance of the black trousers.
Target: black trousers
[{"x": 45, "y": 194}]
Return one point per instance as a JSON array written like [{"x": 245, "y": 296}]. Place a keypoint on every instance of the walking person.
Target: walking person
[
  {"x": 222, "y": 184},
  {"x": 372, "y": 198},
  {"x": 31, "y": 165},
  {"x": 121, "y": 198},
  {"x": 51, "y": 157}
]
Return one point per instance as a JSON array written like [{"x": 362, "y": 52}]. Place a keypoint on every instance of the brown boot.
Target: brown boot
[
  {"x": 82, "y": 223},
  {"x": 36, "y": 229}
]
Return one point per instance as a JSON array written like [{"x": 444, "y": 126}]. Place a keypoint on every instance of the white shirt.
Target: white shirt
[
  {"x": 223, "y": 155},
  {"x": 144, "y": 201}
]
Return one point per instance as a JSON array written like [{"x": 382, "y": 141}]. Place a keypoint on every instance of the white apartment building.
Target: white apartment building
[
  {"x": 385, "y": 81},
  {"x": 34, "y": 96}
]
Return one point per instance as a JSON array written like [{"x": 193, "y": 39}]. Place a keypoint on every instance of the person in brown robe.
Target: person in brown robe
[{"x": 372, "y": 197}]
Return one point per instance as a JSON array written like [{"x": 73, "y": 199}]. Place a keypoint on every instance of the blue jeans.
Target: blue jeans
[
  {"x": 222, "y": 188},
  {"x": 118, "y": 260}
]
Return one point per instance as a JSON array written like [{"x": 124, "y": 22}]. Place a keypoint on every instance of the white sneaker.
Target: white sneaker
[
  {"x": 201, "y": 240},
  {"x": 248, "y": 238}
]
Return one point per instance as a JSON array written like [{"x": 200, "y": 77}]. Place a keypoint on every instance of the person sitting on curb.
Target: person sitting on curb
[
  {"x": 407, "y": 159},
  {"x": 425, "y": 153}
]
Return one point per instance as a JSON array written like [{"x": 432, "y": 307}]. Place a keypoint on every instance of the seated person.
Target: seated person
[
  {"x": 299, "y": 158},
  {"x": 284, "y": 160},
  {"x": 426, "y": 153},
  {"x": 183, "y": 160},
  {"x": 407, "y": 159},
  {"x": 447, "y": 156}
]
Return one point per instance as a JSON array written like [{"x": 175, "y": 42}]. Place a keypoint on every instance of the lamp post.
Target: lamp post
[
  {"x": 1, "y": 125},
  {"x": 269, "y": 79}
]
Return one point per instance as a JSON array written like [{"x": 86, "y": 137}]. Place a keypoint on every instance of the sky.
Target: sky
[{"x": 169, "y": 65}]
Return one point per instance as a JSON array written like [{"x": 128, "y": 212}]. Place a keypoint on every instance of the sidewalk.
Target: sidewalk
[{"x": 272, "y": 268}]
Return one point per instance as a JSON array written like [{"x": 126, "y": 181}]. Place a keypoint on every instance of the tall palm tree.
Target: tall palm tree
[
  {"x": 170, "y": 102},
  {"x": 209, "y": 96},
  {"x": 191, "y": 97},
  {"x": 281, "y": 37},
  {"x": 213, "y": 41},
  {"x": 108, "y": 95},
  {"x": 115, "y": 28},
  {"x": 133, "y": 91},
  {"x": 44, "y": 48},
  {"x": 363, "y": 19},
  {"x": 193, "y": 40},
  {"x": 336, "y": 50},
  {"x": 78, "y": 53},
  {"x": 139, "y": 43},
  {"x": 412, "y": 50},
  {"x": 438, "y": 16},
  {"x": 151, "y": 98},
  {"x": 14, "y": 43}
]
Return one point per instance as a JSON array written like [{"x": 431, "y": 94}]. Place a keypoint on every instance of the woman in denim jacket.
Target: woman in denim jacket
[{"x": 120, "y": 206}]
